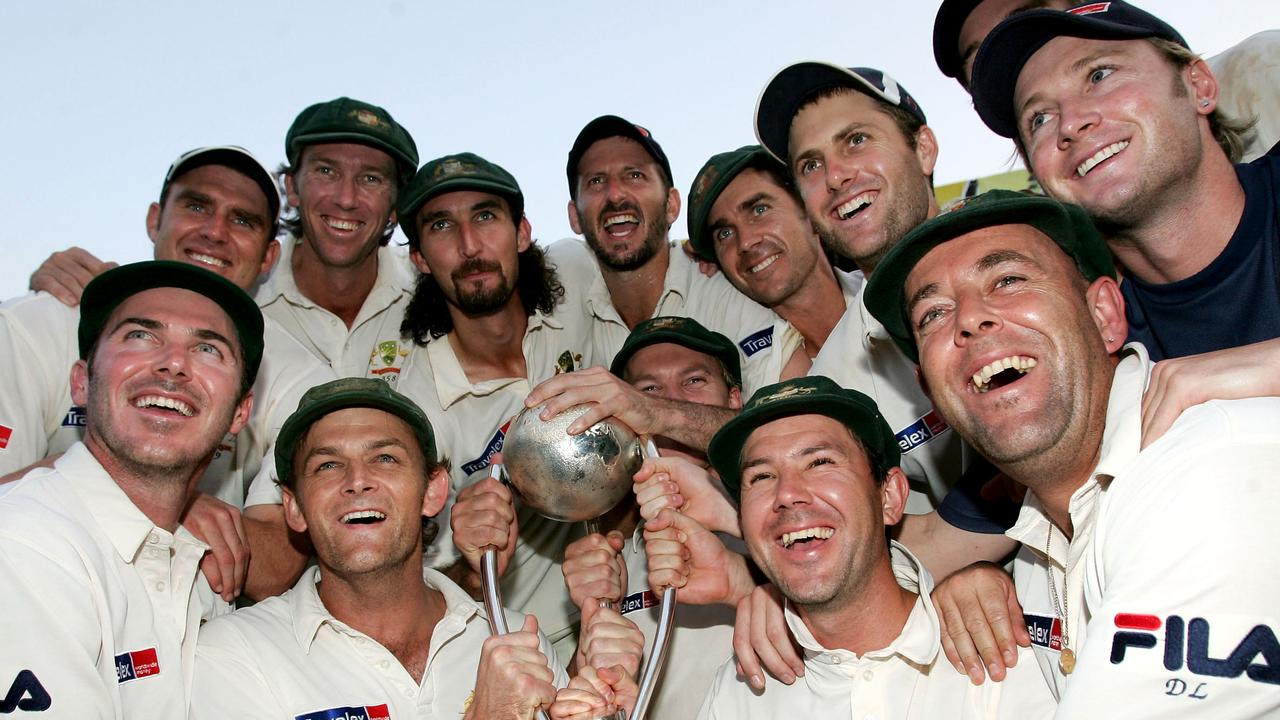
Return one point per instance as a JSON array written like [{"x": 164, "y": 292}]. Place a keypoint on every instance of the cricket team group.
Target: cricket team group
[{"x": 1014, "y": 457}]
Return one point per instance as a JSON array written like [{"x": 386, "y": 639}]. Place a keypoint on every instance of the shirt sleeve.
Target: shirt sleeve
[
  {"x": 227, "y": 682},
  {"x": 53, "y": 644},
  {"x": 27, "y": 385},
  {"x": 264, "y": 490},
  {"x": 1180, "y": 582}
]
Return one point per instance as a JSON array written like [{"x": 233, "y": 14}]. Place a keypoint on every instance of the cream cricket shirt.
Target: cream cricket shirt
[
  {"x": 289, "y": 658},
  {"x": 1172, "y": 588},
  {"x": 98, "y": 614},
  {"x": 911, "y": 678},
  {"x": 860, "y": 355},
  {"x": 372, "y": 345},
  {"x": 701, "y": 635},
  {"x": 38, "y": 346},
  {"x": 686, "y": 292},
  {"x": 470, "y": 421}
]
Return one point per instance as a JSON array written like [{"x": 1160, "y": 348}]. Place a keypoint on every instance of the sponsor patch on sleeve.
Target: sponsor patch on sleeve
[
  {"x": 757, "y": 341},
  {"x": 355, "y": 712},
  {"x": 6, "y": 433},
  {"x": 137, "y": 664},
  {"x": 494, "y": 446},
  {"x": 638, "y": 601},
  {"x": 75, "y": 417},
  {"x": 924, "y": 429}
]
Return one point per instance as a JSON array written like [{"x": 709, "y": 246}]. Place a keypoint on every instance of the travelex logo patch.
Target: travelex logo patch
[
  {"x": 6, "y": 433},
  {"x": 1045, "y": 631},
  {"x": 638, "y": 601},
  {"x": 494, "y": 446},
  {"x": 136, "y": 665},
  {"x": 926, "y": 428},
  {"x": 1186, "y": 645},
  {"x": 361, "y": 712},
  {"x": 75, "y": 417},
  {"x": 757, "y": 341}
]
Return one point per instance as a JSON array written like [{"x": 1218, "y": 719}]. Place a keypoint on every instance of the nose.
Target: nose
[
  {"x": 347, "y": 192},
  {"x": 790, "y": 490},
  {"x": 469, "y": 241},
  {"x": 974, "y": 317},
  {"x": 359, "y": 480},
  {"x": 614, "y": 191},
  {"x": 171, "y": 361},
  {"x": 217, "y": 227},
  {"x": 1077, "y": 118},
  {"x": 838, "y": 174}
]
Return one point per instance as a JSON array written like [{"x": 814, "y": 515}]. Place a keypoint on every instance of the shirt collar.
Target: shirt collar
[
  {"x": 124, "y": 524},
  {"x": 920, "y": 639},
  {"x": 1121, "y": 442},
  {"x": 451, "y": 380},
  {"x": 850, "y": 285},
  {"x": 394, "y": 279},
  {"x": 676, "y": 281},
  {"x": 309, "y": 613}
]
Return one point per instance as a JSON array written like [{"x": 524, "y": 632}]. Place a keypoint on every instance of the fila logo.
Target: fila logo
[
  {"x": 137, "y": 664},
  {"x": 363, "y": 712},
  {"x": 25, "y": 694},
  {"x": 1186, "y": 644},
  {"x": 1091, "y": 8}
]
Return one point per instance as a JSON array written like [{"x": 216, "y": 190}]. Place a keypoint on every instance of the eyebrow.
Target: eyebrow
[
  {"x": 820, "y": 447},
  {"x": 637, "y": 377},
  {"x": 375, "y": 444},
  {"x": 755, "y": 200},
  {"x": 1074, "y": 68},
  {"x": 244, "y": 213},
  {"x": 986, "y": 262},
  {"x": 148, "y": 323}
]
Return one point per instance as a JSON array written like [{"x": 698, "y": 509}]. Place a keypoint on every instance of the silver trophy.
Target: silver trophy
[{"x": 574, "y": 478}]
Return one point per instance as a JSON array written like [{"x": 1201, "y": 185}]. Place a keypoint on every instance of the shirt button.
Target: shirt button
[
  {"x": 153, "y": 539},
  {"x": 868, "y": 676},
  {"x": 384, "y": 664},
  {"x": 160, "y": 586}
]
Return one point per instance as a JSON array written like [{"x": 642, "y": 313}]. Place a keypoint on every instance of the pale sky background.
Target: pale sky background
[{"x": 99, "y": 98}]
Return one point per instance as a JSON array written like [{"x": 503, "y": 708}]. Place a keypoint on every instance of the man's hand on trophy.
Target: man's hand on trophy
[
  {"x": 609, "y": 395},
  {"x": 607, "y": 639},
  {"x": 484, "y": 515},
  {"x": 679, "y": 484},
  {"x": 594, "y": 569},
  {"x": 687, "y": 556},
  {"x": 594, "y": 694},
  {"x": 513, "y": 679}
]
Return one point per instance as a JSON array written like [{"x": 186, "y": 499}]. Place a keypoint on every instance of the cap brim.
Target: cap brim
[
  {"x": 407, "y": 210},
  {"x": 726, "y": 354},
  {"x": 783, "y": 96},
  {"x": 698, "y": 237},
  {"x": 946, "y": 35}
]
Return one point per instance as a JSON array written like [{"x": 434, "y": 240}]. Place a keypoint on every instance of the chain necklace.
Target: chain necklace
[{"x": 1067, "y": 657}]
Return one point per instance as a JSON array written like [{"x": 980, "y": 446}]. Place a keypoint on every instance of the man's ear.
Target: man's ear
[
  {"x": 437, "y": 492},
  {"x": 80, "y": 383},
  {"x": 735, "y": 398},
  {"x": 573, "y": 218},
  {"x": 153, "y": 222},
  {"x": 269, "y": 256},
  {"x": 893, "y": 494},
  {"x": 524, "y": 234},
  {"x": 673, "y": 204},
  {"x": 926, "y": 150},
  {"x": 1106, "y": 306},
  {"x": 240, "y": 417},
  {"x": 418, "y": 261},
  {"x": 291, "y": 191},
  {"x": 293, "y": 512},
  {"x": 1203, "y": 86}
]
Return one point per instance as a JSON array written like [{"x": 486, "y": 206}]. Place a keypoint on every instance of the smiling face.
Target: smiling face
[
  {"x": 813, "y": 515},
  {"x": 1014, "y": 346},
  {"x": 218, "y": 219},
  {"x": 624, "y": 207},
  {"x": 763, "y": 241},
  {"x": 345, "y": 195},
  {"x": 469, "y": 242},
  {"x": 863, "y": 185},
  {"x": 163, "y": 387},
  {"x": 1113, "y": 127},
  {"x": 361, "y": 491},
  {"x": 676, "y": 372}
]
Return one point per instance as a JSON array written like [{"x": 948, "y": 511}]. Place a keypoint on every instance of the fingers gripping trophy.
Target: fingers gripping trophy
[{"x": 575, "y": 478}]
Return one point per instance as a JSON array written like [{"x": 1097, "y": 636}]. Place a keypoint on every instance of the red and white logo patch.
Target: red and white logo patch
[
  {"x": 1091, "y": 8},
  {"x": 6, "y": 432}
]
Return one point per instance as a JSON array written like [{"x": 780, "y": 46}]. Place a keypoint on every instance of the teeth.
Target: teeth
[
  {"x": 1013, "y": 362},
  {"x": 849, "y": 208},
  {"x": 791, "y": 538},
  {"x": 342, "y": 224},
  {"x": 1099, "y": 156},
  {"x": 170, "y": 403},
  {"x": 208, "y": 260},
  {"x": 363, "y": 515},
  {"x": 621, "y": 219},
  {"x": 764, "y": 263}
]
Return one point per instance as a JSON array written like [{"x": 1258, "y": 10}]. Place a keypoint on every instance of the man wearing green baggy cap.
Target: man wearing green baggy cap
[
  {"x": 100, "y": 610},
  {"x": 368, "y": 632},
  {"x": 340, "y": 289},
  {"x": 1011, "y": 306},
  {"x": 814, "y": 468},
  {"x": 746, "y": 216},
  {"x": 485, "y": 325}
]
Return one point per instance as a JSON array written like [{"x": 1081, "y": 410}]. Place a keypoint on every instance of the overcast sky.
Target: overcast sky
[{"x": 100, "y": 97}]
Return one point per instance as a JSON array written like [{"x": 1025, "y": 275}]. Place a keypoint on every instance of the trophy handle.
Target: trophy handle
[
  {"x": 657, "y": 655},
  {"x": 489, "y": 584}
]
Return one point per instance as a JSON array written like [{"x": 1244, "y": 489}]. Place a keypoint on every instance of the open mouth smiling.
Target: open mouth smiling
[
  {"x": 164, "y": 403},
  {"x": 805, "y": 536},
  {"x": 855, "y": 205},
  {"x": 363, "y": 517},
  {"x": 1002, "y": 372},
  {"x": 1097, "y": 158}
]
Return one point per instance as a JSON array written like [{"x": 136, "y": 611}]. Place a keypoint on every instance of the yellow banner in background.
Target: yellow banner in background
[{"x": 1019, "y": 180}]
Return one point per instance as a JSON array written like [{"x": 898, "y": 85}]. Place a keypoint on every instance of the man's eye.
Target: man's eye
[
  {"x": 387, "y": 458},
  {"x": 1037, "y": 120},
  {"x": 372, "y": 179},
  {"x": 440, "y": 225},
  {"x": 751, "y": 478},
  {"x": 650, "y": 388},
  {"x": 209, "y": 348},
  {"x": 856, "y": 139},
  {"x": 928, "y": 316},
  {"x": 1008, "y": 280},
  {"x": 821, "y": 460},
  {"x": 195, "y": 207},
  {"x": 485, "y": 216},
  {"x": 137, "y": 334},
  {"x": 759, "y": 209},
  {"x": 597, "y": 180},
  {"x": 1098, "y": 74},
  {"x": 808, "y": 166},
  {"x": 635, "y": 175},
  {"x": 721, "y": 234},
  {"x": 696, "y": 380}
]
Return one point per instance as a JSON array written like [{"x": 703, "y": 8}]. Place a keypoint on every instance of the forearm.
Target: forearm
[
  {"x": 277, "y": 555},
  {"x": 689, "y": 424}
]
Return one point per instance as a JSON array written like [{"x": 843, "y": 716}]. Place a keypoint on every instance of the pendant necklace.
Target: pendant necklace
[{"x": 1067, "y": 657}]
